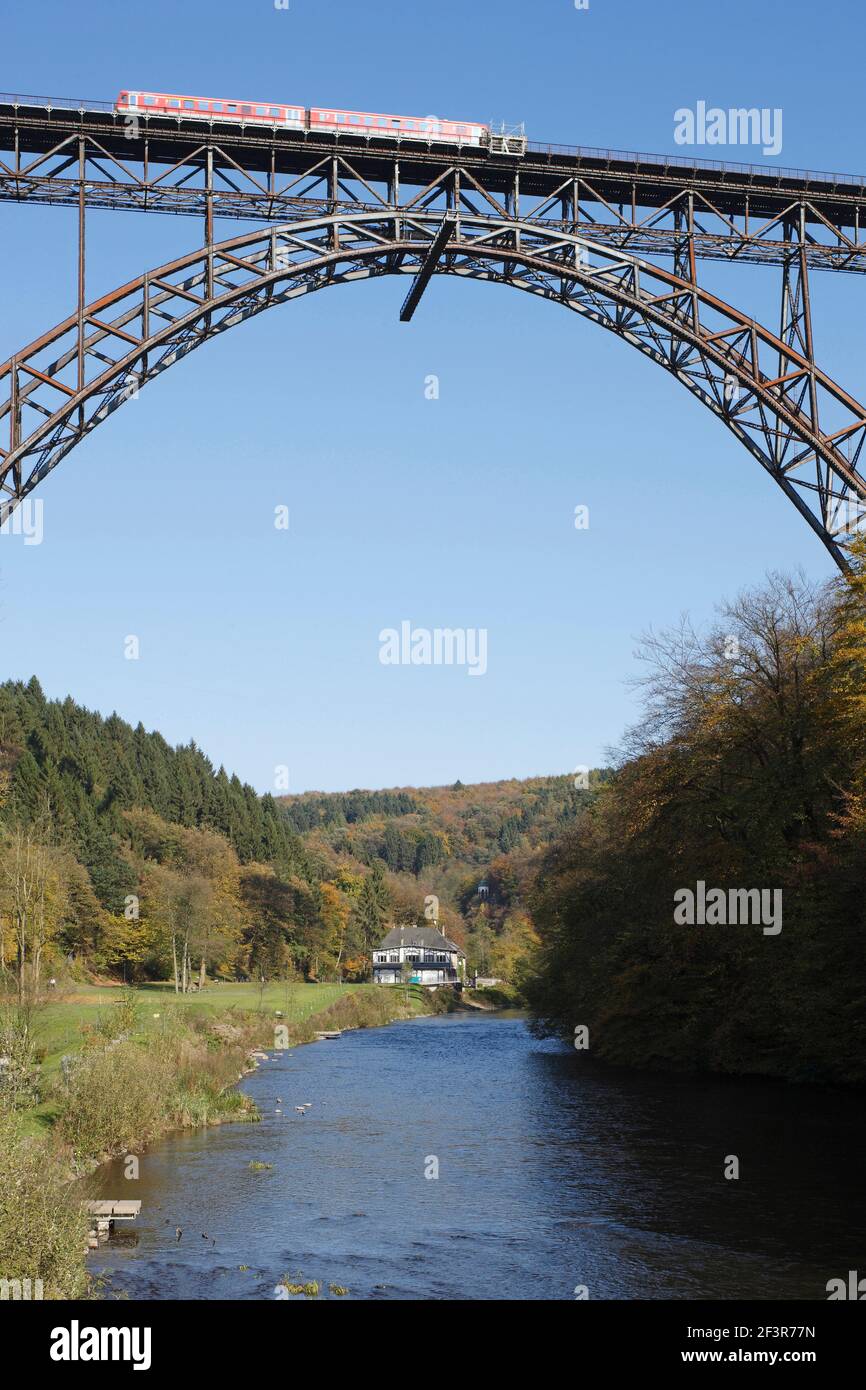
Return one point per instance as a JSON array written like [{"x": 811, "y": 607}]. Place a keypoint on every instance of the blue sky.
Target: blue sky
[{"x": 262, "y": 644}]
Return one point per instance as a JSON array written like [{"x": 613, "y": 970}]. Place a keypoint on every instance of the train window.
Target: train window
[
  {"x": 230, "y": 106},
  {"x": 217, "y": 106},
  {"x": 148, "y": 101},
  {"x": 245, "y": 110},
  {"x": 275, "y": 111},
  {"x": 173, "y": 101},
  {"x": 410, "y": 125},
  {"x": 189, "y": 105},
  {"x": 368, "y": 120}
]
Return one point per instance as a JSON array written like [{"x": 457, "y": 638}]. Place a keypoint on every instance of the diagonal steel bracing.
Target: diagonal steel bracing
[{"x": 221, "y": 169}]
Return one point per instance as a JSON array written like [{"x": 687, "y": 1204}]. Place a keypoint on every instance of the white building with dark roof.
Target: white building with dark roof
[{"x": 431, "y": 958}]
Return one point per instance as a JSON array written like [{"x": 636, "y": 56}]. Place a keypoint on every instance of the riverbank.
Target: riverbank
[{"x": 118, "y": 1069}]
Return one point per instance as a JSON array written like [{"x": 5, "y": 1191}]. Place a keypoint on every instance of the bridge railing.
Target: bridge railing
[
  {"x": 637, "y": 158},
  {"x": 61, "y": 103},
  {"x": 621, "y": 158}
]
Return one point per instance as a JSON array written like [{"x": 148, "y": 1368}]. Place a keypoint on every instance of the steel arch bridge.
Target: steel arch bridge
[{"x": 472, "y": 219}]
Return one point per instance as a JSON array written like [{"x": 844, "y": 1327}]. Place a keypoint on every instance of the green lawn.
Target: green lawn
[{"x": 58, "y": 1025}]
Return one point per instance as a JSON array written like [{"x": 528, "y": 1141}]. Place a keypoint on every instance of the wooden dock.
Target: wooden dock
[{"x": 105, "y": 1213}]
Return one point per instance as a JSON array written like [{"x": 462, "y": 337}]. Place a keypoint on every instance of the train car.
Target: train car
[
  {"x": 211, "y": 108},
  {"x": 424, "y": 128}
]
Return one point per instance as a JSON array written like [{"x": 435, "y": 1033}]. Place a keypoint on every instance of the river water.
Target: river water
[{"x": 553, "y": 1174}]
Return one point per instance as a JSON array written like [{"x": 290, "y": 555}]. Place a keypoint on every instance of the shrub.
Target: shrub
[
  {"x": 117, "y": 1100},
  {"x": 19, "y": 1071},
  {"x": 43, "y": 1231}
]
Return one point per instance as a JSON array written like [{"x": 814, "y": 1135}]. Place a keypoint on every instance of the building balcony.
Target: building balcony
[
  {"x": 415, "y": 966},
  {"x": 447, "y": 972}
]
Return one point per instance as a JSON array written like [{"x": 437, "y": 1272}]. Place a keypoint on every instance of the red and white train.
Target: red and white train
[{"x": 429, "y": 129}]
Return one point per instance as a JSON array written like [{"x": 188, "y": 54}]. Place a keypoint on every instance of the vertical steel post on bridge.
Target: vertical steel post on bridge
[
  {"x": 14, "y": 434},
  {"x": 82, "y": 204},
  {"x": 335, "y": 199},
  {"x": 394, "y": 203},
  {"x": 795, "y": 317},
  {"x": 512, "y": 207},
  {"x": 684, "y": 266},
  {"x": 684, "y": 245},
  {"x": 208, "y": 220}
]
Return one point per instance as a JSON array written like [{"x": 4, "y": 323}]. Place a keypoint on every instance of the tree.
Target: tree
[
  {"x": 335, "y": 911},
  {"x": 746, "y": 771},
  {"x": 371, "y": 910},
  {"x": 34, "y": 897}
]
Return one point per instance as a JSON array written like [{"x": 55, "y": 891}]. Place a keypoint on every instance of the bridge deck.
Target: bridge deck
[{"x": 35, "y": 125}]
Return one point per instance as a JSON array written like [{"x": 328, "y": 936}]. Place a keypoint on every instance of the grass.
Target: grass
[
  {"x": 66, "y": 1024},
  {"x": 61, "y": 1025}
]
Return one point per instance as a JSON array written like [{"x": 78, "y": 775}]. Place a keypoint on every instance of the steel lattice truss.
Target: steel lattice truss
[
  {"x": 650, "y": 204},
  {"x": 550, "y": 227}
]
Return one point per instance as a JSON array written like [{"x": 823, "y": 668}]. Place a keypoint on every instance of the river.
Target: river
[{"x": 554, "y": 1175}]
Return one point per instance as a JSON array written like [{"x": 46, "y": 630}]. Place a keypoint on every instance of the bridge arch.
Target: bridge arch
[{"x": 803, "y": 429}]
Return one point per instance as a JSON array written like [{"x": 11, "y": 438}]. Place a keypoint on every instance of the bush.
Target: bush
[
  {"x": 43, "y": 1231},
  {"x": 117, "y": 1100},
  {"x": 19, "y": 1071}
]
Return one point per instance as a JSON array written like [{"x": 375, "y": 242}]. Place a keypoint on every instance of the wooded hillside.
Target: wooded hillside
[{"x": 748, "y": 771}]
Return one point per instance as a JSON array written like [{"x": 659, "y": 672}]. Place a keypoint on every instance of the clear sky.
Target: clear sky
[{"x": 263, "y": 645}]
